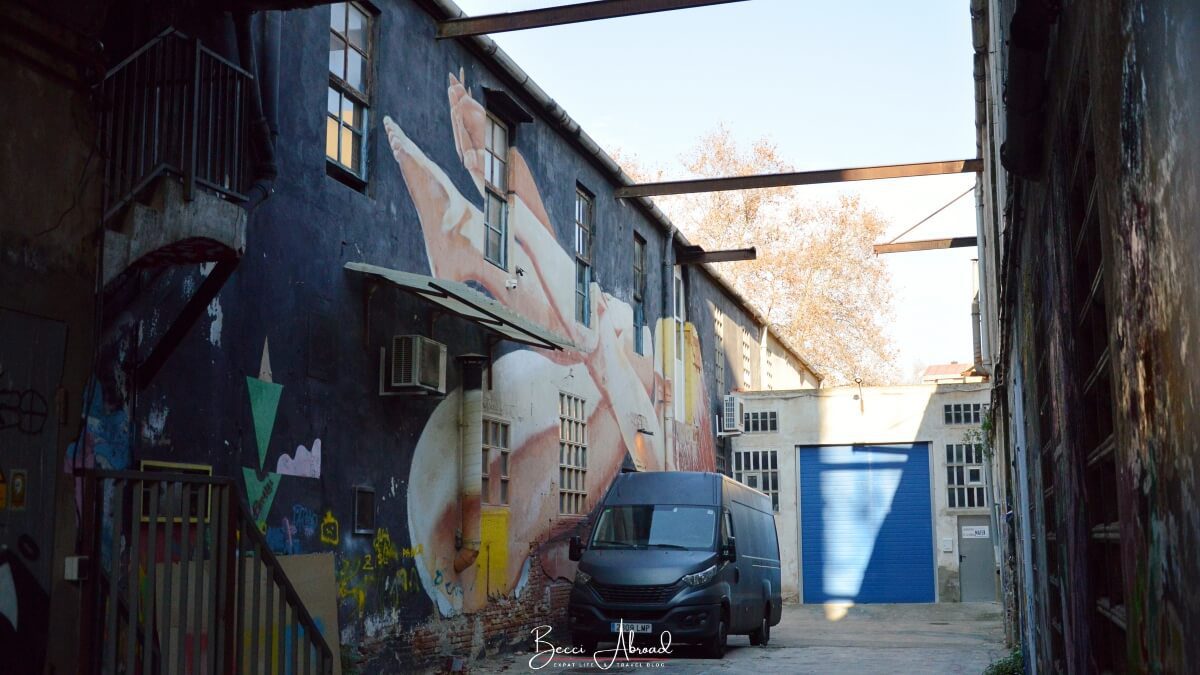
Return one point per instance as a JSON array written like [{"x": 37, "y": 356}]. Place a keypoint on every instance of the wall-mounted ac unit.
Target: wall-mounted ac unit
[
  {"x": 412, "y": 364},
  {"x": 732, "y": 414}
]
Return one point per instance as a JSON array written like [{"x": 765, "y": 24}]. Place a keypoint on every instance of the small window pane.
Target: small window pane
[
  {"x": 483, "y": 490},
  {"x": 337, "y": 56},
  {"x": 504, "y": 492},
  {"x": 357, "y": 33},
  {"x": 337, "y": 16},
  {"x": 953, "y": 500},
  {"x": 356, "y": 70},
  {"x": 949, "y": 453},
  {"x": 335, "y": 102},
  {"x": 331, "y": 138}
]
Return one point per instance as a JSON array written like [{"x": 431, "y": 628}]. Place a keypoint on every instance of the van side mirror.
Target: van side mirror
[
  {"x": 576, "y": 549},
  {"x": 729, "y": 550}
]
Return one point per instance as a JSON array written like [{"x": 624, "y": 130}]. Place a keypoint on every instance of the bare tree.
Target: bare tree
[{"x": 816, "y": 278}]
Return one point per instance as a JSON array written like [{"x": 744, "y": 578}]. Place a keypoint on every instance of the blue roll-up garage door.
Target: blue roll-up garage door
[{"x": 866, "y": 524}]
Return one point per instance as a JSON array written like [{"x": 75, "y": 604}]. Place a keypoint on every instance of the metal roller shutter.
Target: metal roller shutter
[{"x": 866, "y": 523}]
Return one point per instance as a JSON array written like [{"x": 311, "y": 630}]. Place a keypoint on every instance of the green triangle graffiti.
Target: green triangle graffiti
[
  {"x": 260, "y": 493},
  {"x": 264, "y": 403}
]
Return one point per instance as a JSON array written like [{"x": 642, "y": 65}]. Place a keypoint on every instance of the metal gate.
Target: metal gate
[{"x": 180, "y": 580}]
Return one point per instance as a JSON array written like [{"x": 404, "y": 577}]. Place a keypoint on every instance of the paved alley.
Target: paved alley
[{"x": 933, "y": 638}]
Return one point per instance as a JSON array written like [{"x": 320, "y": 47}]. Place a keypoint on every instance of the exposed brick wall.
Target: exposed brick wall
[{"x": 506, "y": 624}]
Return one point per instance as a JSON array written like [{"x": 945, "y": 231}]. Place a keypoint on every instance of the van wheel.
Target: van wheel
[
  {"x": 715, "y": 647},
  {"x": 762, "y": 634}
]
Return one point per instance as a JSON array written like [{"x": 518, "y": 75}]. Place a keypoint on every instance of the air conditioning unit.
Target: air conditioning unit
[
  {"x": 412, "y": 364},
  {"x": 732, "y": 415}
]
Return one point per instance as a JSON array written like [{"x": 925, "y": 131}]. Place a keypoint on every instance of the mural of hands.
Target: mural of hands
[{"x": 616, "y": 383}]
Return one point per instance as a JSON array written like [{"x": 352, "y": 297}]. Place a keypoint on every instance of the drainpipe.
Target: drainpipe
[
  {"x": 262, "y": 150},
  {"x": 975, "y": 334},
  {"x": 470, "y": 459},
  {"x": 668, "y": 343},
  {"x": 272, "y": 37}
]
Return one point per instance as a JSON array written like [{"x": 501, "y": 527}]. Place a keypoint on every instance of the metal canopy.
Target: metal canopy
[
  {"x": 564, "y": 14},
  {"x": 468, "y": 303},
  {"x": 772, "y": 180}
]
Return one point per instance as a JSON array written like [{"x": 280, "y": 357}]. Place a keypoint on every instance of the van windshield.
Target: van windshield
[{"x": 691, "y": 528}]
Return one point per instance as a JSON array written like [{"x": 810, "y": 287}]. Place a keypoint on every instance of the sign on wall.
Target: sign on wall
[{"x": 975, "y": 532}]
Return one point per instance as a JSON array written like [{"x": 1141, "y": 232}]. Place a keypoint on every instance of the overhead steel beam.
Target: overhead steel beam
[
  {"x": 772, "y": 180},
  {"x": 695, "y": 255},
  {"x": 557, "y": 16},
  {"x": 926, "y": 245}
]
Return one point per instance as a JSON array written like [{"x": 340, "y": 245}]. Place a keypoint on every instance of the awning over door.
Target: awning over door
[{"x": 459, "y": 298}]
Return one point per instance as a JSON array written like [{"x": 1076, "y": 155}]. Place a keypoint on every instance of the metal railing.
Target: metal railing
[
  {"x": 180, "y": 580},
  {"x": 174, "y": 106}
]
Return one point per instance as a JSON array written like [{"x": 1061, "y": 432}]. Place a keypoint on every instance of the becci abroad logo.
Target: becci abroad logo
[{"x": 545, "y": 652}]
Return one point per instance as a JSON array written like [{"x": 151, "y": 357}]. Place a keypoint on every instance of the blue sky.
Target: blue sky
[{"x": 847, "y": 83}]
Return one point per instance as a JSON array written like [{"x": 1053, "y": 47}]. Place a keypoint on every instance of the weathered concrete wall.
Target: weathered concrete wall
[
  {"x": 899, "y": 414},
  {"x": 1107, "y": 555},
  {"x": 49, "y": 203}
]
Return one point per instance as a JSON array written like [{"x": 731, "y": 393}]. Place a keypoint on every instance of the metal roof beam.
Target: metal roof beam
[
  {"x": 773, "y": 180},
  {"x": 563, "y": 14},
  {"x": 695, "y": 255},
  {"x": 926, "y": 245}
]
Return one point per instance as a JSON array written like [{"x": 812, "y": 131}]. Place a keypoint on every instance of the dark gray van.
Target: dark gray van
[{"x": 692, "y": 553}]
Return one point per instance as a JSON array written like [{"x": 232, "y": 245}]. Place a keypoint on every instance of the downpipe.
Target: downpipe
[{"x": 262, "y": 147}]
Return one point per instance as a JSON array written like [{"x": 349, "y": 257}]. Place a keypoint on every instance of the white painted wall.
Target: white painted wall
[{"x": 837, "y": 416}]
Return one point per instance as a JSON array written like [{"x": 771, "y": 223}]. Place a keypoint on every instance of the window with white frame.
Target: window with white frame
[
  {"x": 965, "y": 486},
  {"x": 760, "y": 470},
  {"x": 719, "y": 356},
  {"x": 583, "y": 256},
  {"x": 348, "y": 100},
  {"x": 495, "y": 208},
  {"x": 964, "y": 413},
  {"x": 766, "y": 420},
  {"x": 496, "y": 450},
  {"x": 572, "y": 455}
]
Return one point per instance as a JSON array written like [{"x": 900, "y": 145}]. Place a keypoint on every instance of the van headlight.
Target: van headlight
[
  {"x": 700, "y": 578},
  {"x": 582, "y": 578}
]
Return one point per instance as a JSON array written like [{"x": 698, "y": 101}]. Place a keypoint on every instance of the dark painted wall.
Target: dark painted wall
[{"x": 291, "y": 290}]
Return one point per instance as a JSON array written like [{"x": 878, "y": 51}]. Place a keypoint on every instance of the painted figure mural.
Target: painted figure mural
[{"x": 616, "y": 386}]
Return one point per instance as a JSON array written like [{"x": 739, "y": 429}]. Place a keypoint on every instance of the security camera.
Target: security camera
[
  {"x": 520, "y": 271},
  {"x": 510, "y": 284}
]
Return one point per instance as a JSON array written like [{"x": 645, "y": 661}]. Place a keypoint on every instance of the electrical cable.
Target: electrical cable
[{"x": 943, "y": 208}]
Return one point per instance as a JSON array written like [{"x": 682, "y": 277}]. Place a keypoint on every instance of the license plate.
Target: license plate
[{"x": 634, "y": 627}]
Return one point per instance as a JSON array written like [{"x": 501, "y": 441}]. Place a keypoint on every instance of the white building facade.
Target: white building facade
[{"x": 881, "y": 492}]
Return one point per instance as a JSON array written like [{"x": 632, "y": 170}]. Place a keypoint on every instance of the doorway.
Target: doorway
[{"x": 976, "y": 559}]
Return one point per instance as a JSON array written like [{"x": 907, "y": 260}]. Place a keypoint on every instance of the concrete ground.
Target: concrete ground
[{"x": 940, "y": 638}]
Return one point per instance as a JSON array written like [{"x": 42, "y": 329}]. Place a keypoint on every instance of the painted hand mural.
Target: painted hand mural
[{"x": 617, "y": 384}]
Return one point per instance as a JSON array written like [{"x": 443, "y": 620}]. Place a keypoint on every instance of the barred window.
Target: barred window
[
  {"x": 965, "y": 485},
  {"x": 767, "y": 420},
  {"x": 760, "y": 470},
  {"x": 963, "y": 413},
  {"x": 572, "y": 455},
  {"x": 495, "y": 449}
]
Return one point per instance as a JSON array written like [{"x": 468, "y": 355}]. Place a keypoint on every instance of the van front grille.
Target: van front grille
[{"x": 636, "y": 594}]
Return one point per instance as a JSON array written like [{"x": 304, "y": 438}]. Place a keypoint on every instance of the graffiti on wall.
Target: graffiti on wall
[
  {"x": 264, "y": 405},
  {"x": 616, "y": 383}
]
